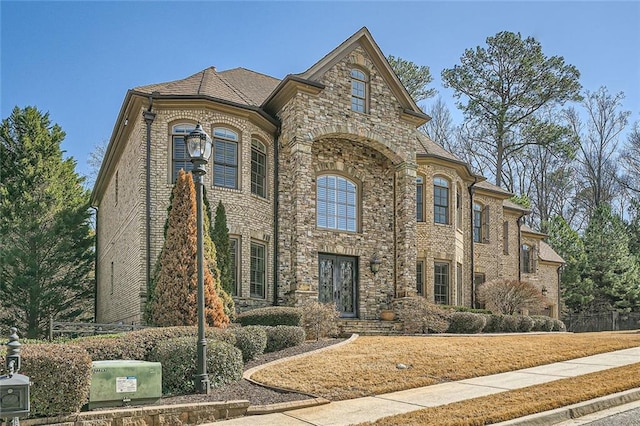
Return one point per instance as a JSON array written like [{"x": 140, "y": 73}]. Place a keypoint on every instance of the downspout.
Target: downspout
[
  {"x": 395, "y": 238},
  {"x": 276, "y": 229},
  {"x": 95, "y": 267},
  {"x": 148, "y": 119},
  {"x": 472, "y": 251}
]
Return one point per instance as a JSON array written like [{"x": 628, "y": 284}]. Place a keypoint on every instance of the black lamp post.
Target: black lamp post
[{"x": 199, "y": 147}]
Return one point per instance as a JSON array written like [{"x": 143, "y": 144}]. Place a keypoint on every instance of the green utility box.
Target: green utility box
[{"x": 118, "y": 383}]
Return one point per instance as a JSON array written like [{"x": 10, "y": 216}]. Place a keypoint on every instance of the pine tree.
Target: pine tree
[
  {"x": 220, "y": 236},
  {"x": 610, "y": 266},
  {"x": 175, "y": 295},
  {"x": 46, "y": 241}
]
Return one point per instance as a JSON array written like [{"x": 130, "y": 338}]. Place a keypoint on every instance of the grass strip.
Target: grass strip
[
  {"x": 522, "y": 402},
  {"x": 368, "y": 366}
]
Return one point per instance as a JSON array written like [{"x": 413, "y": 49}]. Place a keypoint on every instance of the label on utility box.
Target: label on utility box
[{"x": 126, "y": 384}]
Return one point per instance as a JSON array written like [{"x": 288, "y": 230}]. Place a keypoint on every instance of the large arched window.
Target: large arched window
[
  {"x": 358, "y": 90},
  {"x": 179, "y": 156},
  {"x": 258, "y": 168},
  {"x": 336, "y": 203},
  {"x": 225, "y": 158},
  {"x": 440, "y": 200}
]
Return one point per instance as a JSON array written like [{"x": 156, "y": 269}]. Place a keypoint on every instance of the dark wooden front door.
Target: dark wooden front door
[{"x": 337, "y": 283}]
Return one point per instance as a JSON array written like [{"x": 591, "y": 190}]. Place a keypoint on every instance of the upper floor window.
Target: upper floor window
[
  {"x": 480, "y": 223},
  {"x": 440, "y": 200},
  {"x": 336, "y": 203},
  {"x": 258, "y": 168},
  {"x": 419, "y": 199},
  {"x": 358, "y": 90},
  {"x": 458, "y": 207},
  {"x": 528, "y": 259},
  {"x": 505, "y": 237},
  {"x": 225, "y": 158},
  {"x": 180, "y": 156}
]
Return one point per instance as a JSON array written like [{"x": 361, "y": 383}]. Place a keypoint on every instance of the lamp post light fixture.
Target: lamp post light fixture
[{"x": 199, "y": 147}]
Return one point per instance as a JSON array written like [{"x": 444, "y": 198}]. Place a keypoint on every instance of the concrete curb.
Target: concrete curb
[{"x": 576, "y": 410}]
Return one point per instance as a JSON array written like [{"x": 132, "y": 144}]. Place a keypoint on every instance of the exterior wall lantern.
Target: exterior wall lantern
[
  {"x": 544, "y": 291},
  {"x": 374, "y": 263},
  {"x": 199, "y": 147}
]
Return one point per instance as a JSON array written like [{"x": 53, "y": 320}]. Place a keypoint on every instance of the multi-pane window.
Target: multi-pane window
[
  {"x": 480, "y": 223},
  {"x": 420, "y": 277},
  {"x": 258, "y": 269},
  {"x": 233, "y": 260},
  {"x": 180, "y": 156},
  {"x": 336, "y": 203},
  {"x": 258, "y": 168},
  {"x": 478, "y": 279},
  {"x": 505, "y": 237},
  {"x": 528, "y": 259},
  {"x": 419, "y": 199},
  {"x": 225, "y": 158},
  {"x": 459, "y": 207},
  {"x": 440, "y": 200},
  {"x": 460, "y": 300},
  {"x": 358, "y": 90},
  {"x": 441, "y": 283}
]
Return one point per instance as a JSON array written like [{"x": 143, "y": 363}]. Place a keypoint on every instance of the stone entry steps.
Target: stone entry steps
[{"x": 369, "y": 327}]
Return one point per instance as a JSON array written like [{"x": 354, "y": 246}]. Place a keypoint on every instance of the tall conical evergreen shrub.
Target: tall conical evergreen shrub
[
  {"x": 175, "y": 295},
  {"x": 220, "y": 236}
]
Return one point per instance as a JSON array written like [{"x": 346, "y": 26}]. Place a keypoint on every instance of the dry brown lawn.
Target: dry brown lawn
[
  {"x": 518, "y": 403},
  {"x": 367, "y": 366}
]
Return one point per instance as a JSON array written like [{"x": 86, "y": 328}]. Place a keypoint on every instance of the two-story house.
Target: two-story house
[{"x": 331, "y": 193}]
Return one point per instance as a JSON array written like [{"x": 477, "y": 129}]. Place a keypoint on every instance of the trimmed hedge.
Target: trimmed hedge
[
  {"x": 542, "y": 323},
  {"x": 111, "y": 348},
  {"x": 272, "y": 316},
  {"x": 251, "y": 340},
  {"x": 457, "y": 308},
  {"x": 60, "y": 375},
  {"x": 466, "y": 322},
  {"x": 510, "y": 324},
  {"x": 494, "y": 323},
  {"x": 525, "y": 324},
  {"x": 558, "y": 325},
  {"x": 178, "y": 357},
  {"x": 283, "y": 336}
]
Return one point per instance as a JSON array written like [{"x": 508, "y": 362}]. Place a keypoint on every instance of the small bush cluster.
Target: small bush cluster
[
  {"x": 320, "y": 319},
  {"x": 510, "y": 323},
  {"x": 272, "y": 316},
  {"x": 420, "y": 316},
  {"x": 113, "y": 347},
  {"x": 558, "y": 325},
  {"x": 466, "y": 322},
  {"x": 494, "y": 323},
  {"x": 283, "y": 336},
  {"x": 542, "y": 323},
  {"x": 251, "y": 340},
  {"x": 525, "y": 324},
  {"x": 178, "y": 357},
  {"x": 60, "y": 377}
]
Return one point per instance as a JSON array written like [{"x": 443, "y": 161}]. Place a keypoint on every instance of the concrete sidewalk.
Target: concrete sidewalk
[{"x": 375, "y": 407}]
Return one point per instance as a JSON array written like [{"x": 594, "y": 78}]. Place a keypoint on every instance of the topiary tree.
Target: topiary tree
[
  {"x": 220, "y": 237},
  {"x": 175, "y": 295},
  {"x": 510, "y": 296}
]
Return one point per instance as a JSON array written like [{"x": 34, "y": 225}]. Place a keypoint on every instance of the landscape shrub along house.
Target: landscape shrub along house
[{"x": 330, "y": 190}]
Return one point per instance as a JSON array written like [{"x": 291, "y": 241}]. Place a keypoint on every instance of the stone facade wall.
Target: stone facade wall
[
  {"x": 488, "y": 255},
  {"x": 322, "y": 133},
  {"x": 121, "y": 235}
]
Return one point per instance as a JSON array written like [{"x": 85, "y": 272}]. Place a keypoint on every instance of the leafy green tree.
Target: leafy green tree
[
  {"x": 174, "y": 301},
  {"x": 611, "y": 268},
  {"x": 577, "y": 293},
  {"x": 220, "y": 237},
  {"x": 505, "y": 84},
  {"x": 414, "y": 78},
  {"x": 46, "y": 242}
]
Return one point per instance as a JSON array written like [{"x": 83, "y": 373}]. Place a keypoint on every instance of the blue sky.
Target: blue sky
[{"x": 76, "y": 60}]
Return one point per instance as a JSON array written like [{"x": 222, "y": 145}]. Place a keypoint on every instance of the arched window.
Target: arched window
[
  {"x": 420, "y": 199},
  {"x": 358, "y": 90},
  {"x": 258, "y": 168},
  {"x": 179, "y": 155},
  {"x": 225, "y": 158},
  {"x": 336, "y": 203},
  {"x": 440, "y": 200}
]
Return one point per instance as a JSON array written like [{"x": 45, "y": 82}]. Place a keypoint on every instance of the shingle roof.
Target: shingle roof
[
  {"x": 237, "y": 85},
  {"x": 548, "y": 254},
  {"x": 525, "y": 228},
  {"x": 493, "y": 188},
  {"x": 514, "y": 206},
  {"x": 426, "y": 146}
]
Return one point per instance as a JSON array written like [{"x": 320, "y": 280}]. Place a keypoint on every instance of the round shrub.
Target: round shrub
[
  {"x": 283, "y": 336},
  {"x": 542, "y": 323},
  {"x": 178, "y": 357},
  {"x": 525, "y": 323},
  {"x": 148, "y": 338},
  {"x": 466, "y": 322},
  {"x": 272, "y": 316},
  {"x": 110, "y": 348},
  {"x": 558, "y": 325},
  {"x": 510, "y": 324},
  {"x": 251, "y": 340},
  {"x": 494, "y": 323}
]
